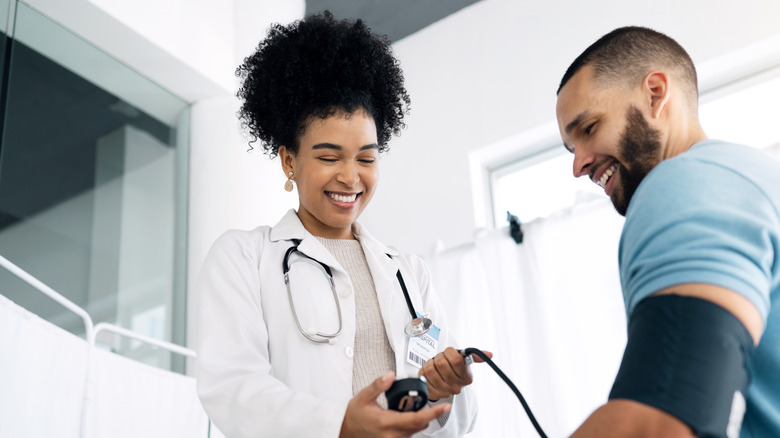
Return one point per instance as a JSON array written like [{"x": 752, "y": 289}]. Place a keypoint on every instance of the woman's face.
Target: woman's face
[{"x": 335, "y": 171}]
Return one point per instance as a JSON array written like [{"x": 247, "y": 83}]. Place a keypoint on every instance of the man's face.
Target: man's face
[{"x": 612, "y": 141}]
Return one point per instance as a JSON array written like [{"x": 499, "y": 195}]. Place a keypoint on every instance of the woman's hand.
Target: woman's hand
[
  {"x": 365, "y": 418},
  {"x": 447, "y": 373}
]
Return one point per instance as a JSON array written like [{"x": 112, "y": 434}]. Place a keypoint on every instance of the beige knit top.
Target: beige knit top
[{"x": 373, "y": 354}]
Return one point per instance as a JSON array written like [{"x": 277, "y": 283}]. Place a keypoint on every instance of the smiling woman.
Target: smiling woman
[{"x": 324, "y": 96}]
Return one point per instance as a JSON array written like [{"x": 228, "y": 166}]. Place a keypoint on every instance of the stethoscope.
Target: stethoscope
[{"x": 416, "y": 327}]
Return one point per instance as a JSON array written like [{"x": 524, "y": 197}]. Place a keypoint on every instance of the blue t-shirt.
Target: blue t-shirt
[{"x": 712, "y": 215}]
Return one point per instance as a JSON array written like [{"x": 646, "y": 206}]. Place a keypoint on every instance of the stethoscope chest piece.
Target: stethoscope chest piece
[{"x": 418, "y": 326}]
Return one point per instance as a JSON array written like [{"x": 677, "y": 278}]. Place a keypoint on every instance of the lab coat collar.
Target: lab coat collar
[{"x": 290, "y": 227}]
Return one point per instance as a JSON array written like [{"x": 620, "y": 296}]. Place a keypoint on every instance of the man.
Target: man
[{"x": 700, "y": 251}]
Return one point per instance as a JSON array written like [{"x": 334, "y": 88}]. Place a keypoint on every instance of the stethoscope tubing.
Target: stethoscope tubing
[
  {"x": 406, "y": 294},
  {"x": 417, "y": 326},
  {"x": 324, "y": 338}
]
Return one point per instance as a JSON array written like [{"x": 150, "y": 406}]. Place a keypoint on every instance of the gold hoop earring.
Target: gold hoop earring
[{"x": 288, "y": 185}]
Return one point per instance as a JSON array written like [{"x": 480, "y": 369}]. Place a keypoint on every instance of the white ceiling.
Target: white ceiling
[{"x": 394, "y": 18}]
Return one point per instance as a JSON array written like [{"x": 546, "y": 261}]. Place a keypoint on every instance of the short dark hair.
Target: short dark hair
[
  {"x": 318, "y": 67},
  {"x": 627, "y": 54}
]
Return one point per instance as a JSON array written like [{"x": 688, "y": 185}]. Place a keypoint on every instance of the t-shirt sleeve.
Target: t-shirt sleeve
[{"x": 697, "y": 222}]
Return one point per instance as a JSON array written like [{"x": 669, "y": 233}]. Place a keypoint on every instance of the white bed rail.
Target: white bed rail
[
  {"x": 107, "y": 327},
  {"x": 51, "y": 293}
]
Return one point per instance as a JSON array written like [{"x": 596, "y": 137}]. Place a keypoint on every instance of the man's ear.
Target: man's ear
[{"x": 658, "y": 86}]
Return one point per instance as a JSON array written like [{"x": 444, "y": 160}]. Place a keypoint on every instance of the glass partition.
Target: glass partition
[{"x": 93, "y": 163}]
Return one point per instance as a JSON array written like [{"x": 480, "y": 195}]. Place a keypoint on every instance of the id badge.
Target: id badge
[{"x": 422, "y": 348}]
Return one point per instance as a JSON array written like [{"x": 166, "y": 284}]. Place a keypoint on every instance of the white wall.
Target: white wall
[
  {"x": 167, "y": 55},
  {"x": 491, "y": 71},
  {"x": 199, "y": 32},
  {"x": 232, "y": 186}
]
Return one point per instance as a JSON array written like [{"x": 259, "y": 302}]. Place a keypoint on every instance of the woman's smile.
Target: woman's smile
[{"x": 343, "y": 200}]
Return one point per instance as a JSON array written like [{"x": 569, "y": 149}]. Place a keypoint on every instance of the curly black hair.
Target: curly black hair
[{"x": 317, "y": 67}]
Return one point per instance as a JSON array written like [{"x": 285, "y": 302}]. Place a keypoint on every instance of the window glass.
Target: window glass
[
  {"x": 538, "y": 186},
  {"x": 91, "y": 187}
]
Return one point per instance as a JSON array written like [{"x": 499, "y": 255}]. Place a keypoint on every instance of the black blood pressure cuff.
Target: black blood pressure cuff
[{"x": 687, "y": 357}]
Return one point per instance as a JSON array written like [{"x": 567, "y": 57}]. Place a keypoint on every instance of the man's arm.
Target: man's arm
[{"x": 629, "y": 418}]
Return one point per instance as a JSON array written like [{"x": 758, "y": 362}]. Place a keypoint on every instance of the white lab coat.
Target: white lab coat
[{"x": 258, "y": 376}]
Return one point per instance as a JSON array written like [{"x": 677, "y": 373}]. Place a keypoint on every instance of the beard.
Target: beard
[{"x": 640, "y": 149}]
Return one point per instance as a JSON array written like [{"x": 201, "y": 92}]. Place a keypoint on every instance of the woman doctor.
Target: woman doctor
[{"x": 282, "y": 351}]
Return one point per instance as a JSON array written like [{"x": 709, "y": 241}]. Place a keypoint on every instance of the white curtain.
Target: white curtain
[
  {"x": 551, "y": 311},
  {"x": 132, "y": 400},
  {"x": 43, "y": 371},
  {"x": 42, "y": 374}
]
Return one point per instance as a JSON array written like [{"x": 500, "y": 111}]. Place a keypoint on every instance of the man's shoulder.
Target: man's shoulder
[
  {"x": 705, "y": 174},
  {"x": 718, "y": 155},
  {"x": 710, "y": 153}
]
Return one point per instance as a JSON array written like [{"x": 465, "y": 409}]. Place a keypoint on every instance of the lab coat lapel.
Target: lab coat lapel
[
  {"x": 383, "y": 270},
  {"x": 290, "y": 227}
]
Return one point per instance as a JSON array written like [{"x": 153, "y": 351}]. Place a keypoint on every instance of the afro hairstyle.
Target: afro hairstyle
[{"x": 318, "y": 67}]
